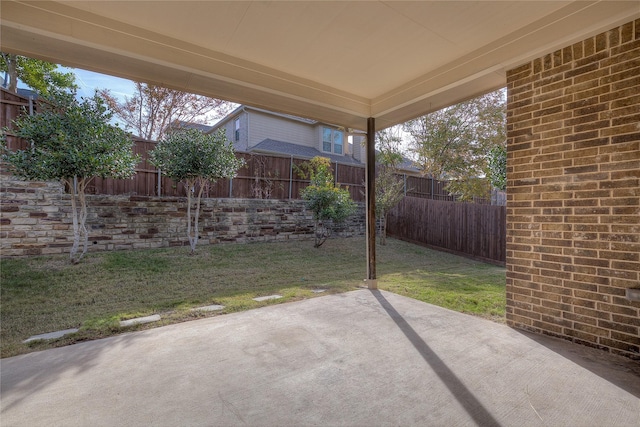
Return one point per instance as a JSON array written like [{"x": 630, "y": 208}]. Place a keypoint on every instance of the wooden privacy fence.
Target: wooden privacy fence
[
  {"x": 477, "y": 230},
  {"x": 14, "y": 105},
  {"x": 263, "y": 176}
]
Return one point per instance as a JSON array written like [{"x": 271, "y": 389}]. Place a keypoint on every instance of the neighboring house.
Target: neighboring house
[
  {"x": 25, "y": 93},
  {"x": 178, "y": 124},
  {"x": 255, "y": 130}
]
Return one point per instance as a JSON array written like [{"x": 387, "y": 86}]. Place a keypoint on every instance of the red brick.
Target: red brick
[
  {"x": 585, "y": 320},
  {"x": 598, "y": 314},
  {"x": 584, "y": 336},
  {"x": 576, "y": 200},
  {"x": 627, "y": 338},
  {"x": 635, "y": 321}
]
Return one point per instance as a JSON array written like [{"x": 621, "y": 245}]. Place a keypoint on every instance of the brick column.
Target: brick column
[{"x": 573, "y": 196}]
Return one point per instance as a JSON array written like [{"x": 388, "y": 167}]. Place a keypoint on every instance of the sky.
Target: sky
[{"x": 88, "y": 82}]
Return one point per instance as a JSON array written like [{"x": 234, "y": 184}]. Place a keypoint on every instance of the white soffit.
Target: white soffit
[{"x": 337, "y": 62}]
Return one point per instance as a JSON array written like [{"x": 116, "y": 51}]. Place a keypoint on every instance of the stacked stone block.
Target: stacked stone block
[
  {"x": 35, "y": 219},
  {"x": 573, "y": 196}
]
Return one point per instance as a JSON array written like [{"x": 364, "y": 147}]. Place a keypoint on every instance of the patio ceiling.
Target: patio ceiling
[{"x": 337, "y": 62}]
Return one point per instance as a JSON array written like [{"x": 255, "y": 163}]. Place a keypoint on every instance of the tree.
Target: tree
[
  {"x": 196, "y": 159},
  {"x": 498, "y": 167},
  {"x": 454, "y": 143},
  {"x": 39, "y": 75},
  {"x": 329, "y": 204},
  {"x": 389, "y": 186},
  {"x": 152, "y": 109},
  {"x": 72, "y": 141},
  {"x": 389, "y": 147}
]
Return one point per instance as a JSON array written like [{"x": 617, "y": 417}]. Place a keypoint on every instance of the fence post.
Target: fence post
[
  {"x": 404, "y": 185},
  {"x": 159, "y": 183},
  {"x": 290, "y": 176},
  {"x": 230, "y": 188}
]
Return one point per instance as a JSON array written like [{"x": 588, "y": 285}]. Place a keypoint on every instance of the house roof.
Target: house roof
[
  {"x": 28, "y": 93},
  {"x": 240, "y": 108},
  {"x": 336, "y": 62},
  {"x": 408, "y": 165},
  {"x": 272, "y": 146},
  {"x": 178, "y": 124}
]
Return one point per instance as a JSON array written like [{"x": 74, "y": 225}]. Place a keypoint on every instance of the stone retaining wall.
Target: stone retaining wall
[{"x": 35, "y": 219}]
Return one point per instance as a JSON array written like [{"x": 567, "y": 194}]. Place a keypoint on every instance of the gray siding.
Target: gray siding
[{"x": 266, "y": 126}]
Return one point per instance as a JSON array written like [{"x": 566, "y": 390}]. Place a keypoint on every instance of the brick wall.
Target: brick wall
[
  {"x": 35, "y": 220},
  {"x": 573, "y": 196}
]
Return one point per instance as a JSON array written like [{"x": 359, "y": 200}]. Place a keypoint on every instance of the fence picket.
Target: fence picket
[{"x": 473, "y": 229}]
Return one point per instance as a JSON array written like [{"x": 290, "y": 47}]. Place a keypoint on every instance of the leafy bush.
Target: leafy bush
[
  {"x": 72, "y": 141},
  {"x": 329, "y": 204},
  {"x": 196, "y": 159}
]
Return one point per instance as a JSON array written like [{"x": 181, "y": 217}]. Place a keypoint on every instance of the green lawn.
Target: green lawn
[{"x": 45, "y": 294}]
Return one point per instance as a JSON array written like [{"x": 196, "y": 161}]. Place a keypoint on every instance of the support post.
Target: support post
[{"x": 372, "y": 282}]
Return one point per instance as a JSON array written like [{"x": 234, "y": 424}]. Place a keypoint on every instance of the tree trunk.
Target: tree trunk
[
  {"x": 12, "y": 71},
  {"x": 383, "y": 228},
  {"x": 189, "y": 185},
  {"x": 74, "y": 220},
  {"x": 78, "y": 218},
  {"x": 193, "y": 242},
  {"x": 316, "y": 236},
  {"x": 83, "y": 216}
]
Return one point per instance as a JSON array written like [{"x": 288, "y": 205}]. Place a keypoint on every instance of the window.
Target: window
[
  {"x": 326, "y": 140},
  {"x": 337, "y": 142},
  {"x": 237, "y": 129},
  {"x": 332, "y": 141}
]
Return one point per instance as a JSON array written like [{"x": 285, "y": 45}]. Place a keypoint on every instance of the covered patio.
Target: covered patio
[
  {"x": 363, "y": 358},
  {"x": 569, "y": 67}
]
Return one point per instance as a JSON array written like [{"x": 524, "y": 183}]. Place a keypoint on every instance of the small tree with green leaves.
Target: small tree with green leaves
[
  {"x": 389, "y": 192},
  {"x": 196, "y": 159},
  {"x": 497, "y": 167},
  {"x": 389, "y": 186},
  {"x": 41, "y": 76},
  {"x": 72, "y": 141},
  {"x": 454, "y": 143},
  {"x": 330, "y": 204}
]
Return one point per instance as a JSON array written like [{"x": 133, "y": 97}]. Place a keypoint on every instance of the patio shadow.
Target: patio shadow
[
  {"x": 619, "y": 370},
  {"x": 461, "y": 393}
]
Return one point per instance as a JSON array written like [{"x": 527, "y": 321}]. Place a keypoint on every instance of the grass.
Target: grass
[{"x": 45, "y": 294}]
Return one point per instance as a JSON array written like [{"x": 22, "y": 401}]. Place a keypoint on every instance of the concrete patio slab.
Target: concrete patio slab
[{"x": 363, "y": 358}]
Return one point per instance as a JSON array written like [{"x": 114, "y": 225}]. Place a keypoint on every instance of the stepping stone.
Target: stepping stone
[
  {"x": 318, "y": 291},
  {"x": 51, "y": 335},
  {"x": 147, "y": 319},
  {"x": 268, "y": 297},
  {"x": 214, "y": 307}
]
